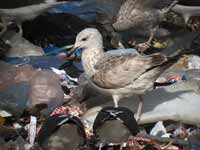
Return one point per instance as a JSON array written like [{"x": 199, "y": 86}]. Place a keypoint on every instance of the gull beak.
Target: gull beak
[{"x": 71, "y": 51}]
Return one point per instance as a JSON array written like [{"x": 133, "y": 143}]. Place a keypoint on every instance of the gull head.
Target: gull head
[{"x": 89, "y": 38}]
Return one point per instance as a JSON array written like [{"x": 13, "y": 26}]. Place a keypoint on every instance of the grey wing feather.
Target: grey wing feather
[
  {"x": 105, "y": 9},
  {"x": 119, "y": 71},
  {"x": 158, "y": 4}
]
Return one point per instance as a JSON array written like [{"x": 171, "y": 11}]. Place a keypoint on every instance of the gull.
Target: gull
[
  {"x": 118, "y": 75},
  {"x": 187, "y": 11},
  {"x": 140, "y": 16},
  {"x": 25, "y": 13}
]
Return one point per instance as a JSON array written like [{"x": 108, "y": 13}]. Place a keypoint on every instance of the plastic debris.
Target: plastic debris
[
  {"x": 159, "y": 130},
  {"x": 32, "y": 130},
  {"x": 194, "y": 62},
  {"x": 2, "y": 120},
  {"x": 45, "y": 88},
  {"x": 14, "y": 99},
  {"x": 4, "y": 113},
  {"x": 164, "y": 81}
]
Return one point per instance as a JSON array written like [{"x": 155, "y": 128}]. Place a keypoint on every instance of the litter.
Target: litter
[{"x": 47, "y": 103}]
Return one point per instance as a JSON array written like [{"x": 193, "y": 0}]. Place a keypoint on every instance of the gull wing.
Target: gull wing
[
  {"x": 119, "y": 71},
  {"x": 158, "y": 4}
]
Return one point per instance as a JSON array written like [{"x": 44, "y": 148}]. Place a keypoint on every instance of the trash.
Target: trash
[
  {"x": 31, "y": 128},
  {"x": 24, "y": 73},
  {"x": 164, "y": 81},
  {"x": 2, "y": 120},
  {"x": 62, "y": 132},
  {"x": 5, "y": 114},
  {"x": 20, "y": 46},
  {"x": 194, "y": 62},
  {"x": 78, "y": 9},
  {"x": 7, "y": 74},
  {"x": 43, "y": 62},
  {"x": 67, "y": 80},
  {"x": 161, "y": 104},
  {"x": 114, "y": 125},
  {"x": 50, "y": 96},
  {"x": 159, "y": 130},
  {"x": 52, "y": 30},
  {"x": 4, "y": 48},
  {"x": 45, "y": 88},
  {"x": 14, "y": 98}
]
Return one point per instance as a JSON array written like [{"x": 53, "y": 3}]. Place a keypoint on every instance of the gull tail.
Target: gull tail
[
  {"x": 172, "y": 59},
  {"x": 158, "y": 59}
]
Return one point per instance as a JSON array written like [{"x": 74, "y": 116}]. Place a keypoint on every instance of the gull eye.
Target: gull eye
[{"x": 84, "y": 39}]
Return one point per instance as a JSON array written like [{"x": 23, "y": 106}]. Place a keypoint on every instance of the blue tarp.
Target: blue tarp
[{"x": 77, "y": 8}]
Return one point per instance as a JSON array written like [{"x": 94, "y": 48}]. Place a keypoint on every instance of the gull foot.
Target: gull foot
[{"x": 142, "y": 47}]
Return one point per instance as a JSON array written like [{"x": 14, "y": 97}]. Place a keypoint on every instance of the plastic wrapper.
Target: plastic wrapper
[
  {"x": 21, "y": 47},
  {"x": 14, "y": 98},
  {"x": 7, "y": 73},
  {"x": 45, "y": 88},
  {"x": 44, "y": 62},
  {"x": 24, "y": 73}
]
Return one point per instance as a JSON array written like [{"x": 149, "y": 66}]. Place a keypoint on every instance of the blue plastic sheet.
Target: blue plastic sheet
[
  {"x": 14, "y": 98},
  {"x": 77, "y": 8},
  {"x": 44, "y": 62}
]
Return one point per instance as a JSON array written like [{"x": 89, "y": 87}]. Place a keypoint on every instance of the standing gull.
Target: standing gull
[
  {"x": 117, "y": 75},
  {"x": 141, "y": 16},
  {"x": 24, "y": 13}
]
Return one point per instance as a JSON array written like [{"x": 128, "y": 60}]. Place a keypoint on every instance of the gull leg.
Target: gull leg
[
  {"x": 3, "y": 27},
  {"x": 116, "y": 99},
  {"x": 142, "y": 47},
  {"x": 20, "y": 29},
  {"x": 116, "y": 40},
  {"x": 140, "y": 107}
]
